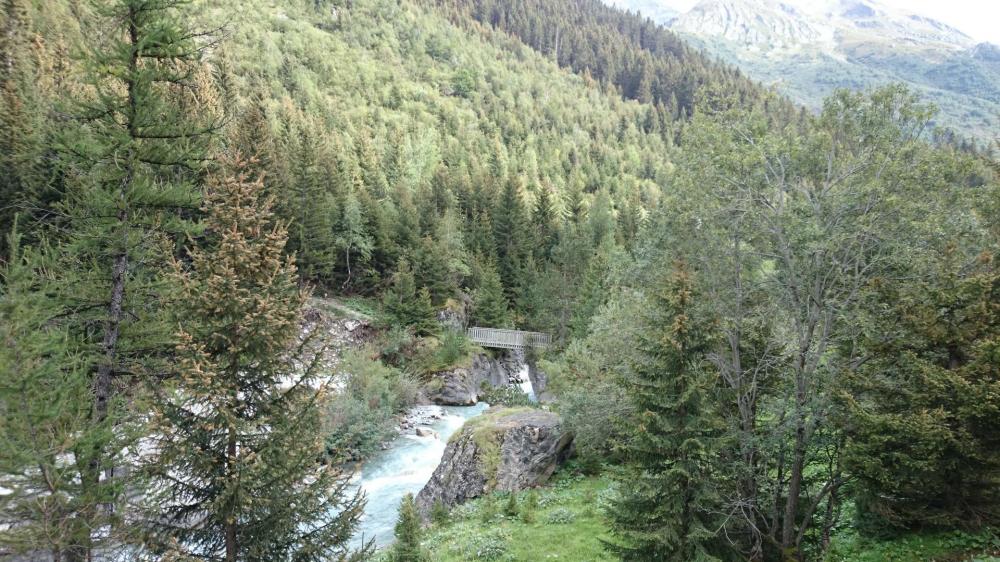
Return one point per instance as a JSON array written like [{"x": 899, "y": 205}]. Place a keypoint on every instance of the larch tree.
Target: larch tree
[
  {"x": 132, "y": 158},
  {"x": 17, "y": 120},
  {"x": 666, "y": 510},
  {"x": 45, "y": 416},
  {"x": 238, "y": 472}
]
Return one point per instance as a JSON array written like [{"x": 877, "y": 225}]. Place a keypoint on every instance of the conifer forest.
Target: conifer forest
[{"x": 244, "y": 242}]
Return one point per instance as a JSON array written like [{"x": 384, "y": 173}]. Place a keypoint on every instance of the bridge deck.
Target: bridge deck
[{"x": 508, "y": 339}]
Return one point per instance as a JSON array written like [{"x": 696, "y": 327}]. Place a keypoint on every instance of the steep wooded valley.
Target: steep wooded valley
[{"x": 415, "y": 280}]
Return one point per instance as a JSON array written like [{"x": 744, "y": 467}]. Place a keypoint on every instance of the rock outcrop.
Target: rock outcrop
[
  {"x": 505, "y": 449},
  {"x": 462, "y": 386}
]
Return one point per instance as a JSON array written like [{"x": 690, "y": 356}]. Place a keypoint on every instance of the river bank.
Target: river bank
[{"x": 405, "y": 466}]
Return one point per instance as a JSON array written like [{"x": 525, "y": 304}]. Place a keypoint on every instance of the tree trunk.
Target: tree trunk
[
  {"x": 347, "y": 256},
  {"x": 789, "y": 544},
  {"x": 230, "y": 524}
]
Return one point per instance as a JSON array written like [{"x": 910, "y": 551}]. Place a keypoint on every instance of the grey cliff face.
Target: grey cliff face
[{"x": 462, "y": 386}]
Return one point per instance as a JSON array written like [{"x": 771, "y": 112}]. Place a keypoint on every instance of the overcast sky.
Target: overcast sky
[{"x": 979, "y": 19}]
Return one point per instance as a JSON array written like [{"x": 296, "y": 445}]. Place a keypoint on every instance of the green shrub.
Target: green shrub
[
  {"x": 509, "y": 395},
  {"x": 488, "y": 510},
  {"x": 849, "y": 546},
  {"x": 454, "y": 348},
  {"x": 594, "y": 412},
  {"x": 362, "y": 414},
  {"x": 528, "y": 507},
  {"x": 560, "y": 516},
  {"x": 397, "y": 345},
  {"x": 510, "y": 509},
  {"x": 489, "y": 546},
  {"x": 430, "y": 355},
  {"x": 439, "y": 513}
]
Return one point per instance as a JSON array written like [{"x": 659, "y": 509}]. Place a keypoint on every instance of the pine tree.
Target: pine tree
[
  {"x": 668, "y": 491},
  {"x": 489, "y": 305},
  {"x": 403, "y": 304},
  {"x": 45, "y": 407},
  {"x": 238, "y": 471},
  {"x": 407, "y": 547}
]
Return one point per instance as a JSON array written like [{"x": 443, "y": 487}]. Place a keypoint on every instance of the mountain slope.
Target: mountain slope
[{"x": 809, "y": 48}]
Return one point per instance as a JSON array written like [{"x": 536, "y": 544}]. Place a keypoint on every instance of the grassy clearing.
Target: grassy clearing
[
  {"x": 559, "y": 522},
  {"x": 563, "y": 521}
]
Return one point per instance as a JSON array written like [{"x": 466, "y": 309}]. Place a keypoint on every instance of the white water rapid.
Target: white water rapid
[{"x": 404, "y": 468}]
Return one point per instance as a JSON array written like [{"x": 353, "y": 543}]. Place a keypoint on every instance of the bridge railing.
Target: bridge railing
[{"x": 507, "y": 339}]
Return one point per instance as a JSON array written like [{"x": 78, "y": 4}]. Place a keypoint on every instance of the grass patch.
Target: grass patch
[
  {"x": 944, "y": 546},
  {"x": 573, "y": 535},
  {"x": 358, "y": 308}
]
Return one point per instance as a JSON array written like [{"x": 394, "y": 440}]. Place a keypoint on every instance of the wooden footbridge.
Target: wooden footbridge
[{"x": 508, "y": 339}]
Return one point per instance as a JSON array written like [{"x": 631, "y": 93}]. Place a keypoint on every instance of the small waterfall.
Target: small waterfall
[{"x": 525, "y": 384}]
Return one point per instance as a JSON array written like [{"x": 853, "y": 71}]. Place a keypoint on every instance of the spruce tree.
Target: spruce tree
[
  {"x": 593, "y": 292},
  {"x": 922, "y": 414},
  {"x": 543, "y": 219},
  {"x": 238, "y": 472},
  {"x": 666, "y": 508},
  {"x": 310, "y": 207},
  {"x": 510, "y": 232},
  {"x": 407, "y": 547},
  {"x": 406, "y": 305},
  {"x": 489, "y": 306}
]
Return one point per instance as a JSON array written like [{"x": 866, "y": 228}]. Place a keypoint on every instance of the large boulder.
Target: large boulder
[{"x": 505, "y": 449}]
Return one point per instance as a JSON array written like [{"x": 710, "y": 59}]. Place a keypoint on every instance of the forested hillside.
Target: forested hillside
[{"x": 771, "y": 329}]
